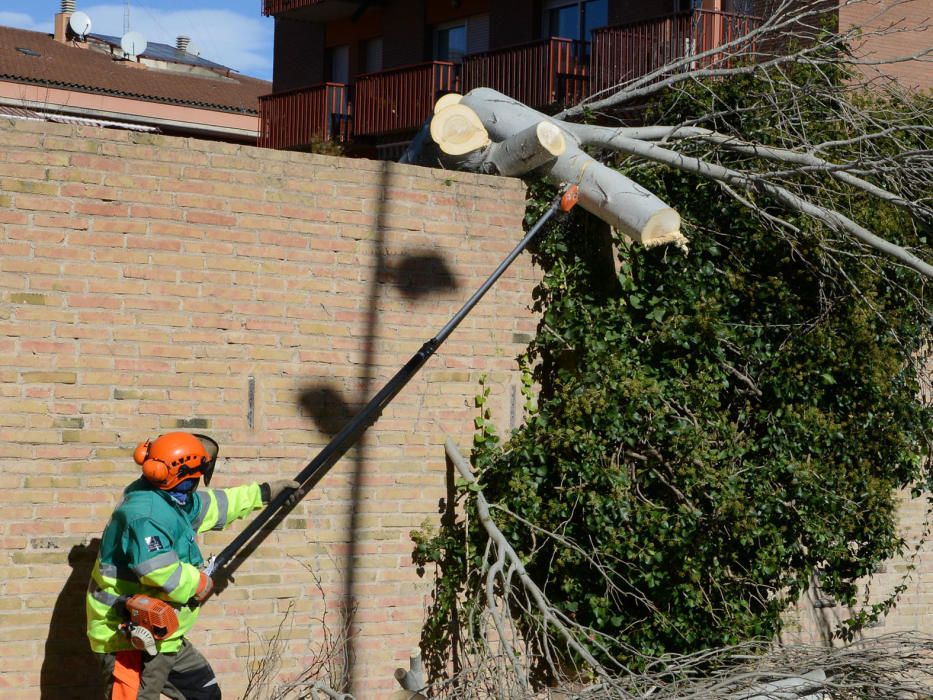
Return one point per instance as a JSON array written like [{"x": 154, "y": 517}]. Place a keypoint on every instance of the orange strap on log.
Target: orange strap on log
[{"x": 127, "y": 669}]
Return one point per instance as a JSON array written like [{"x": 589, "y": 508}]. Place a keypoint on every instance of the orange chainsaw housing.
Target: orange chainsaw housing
[{"x": 153, "y": 614}]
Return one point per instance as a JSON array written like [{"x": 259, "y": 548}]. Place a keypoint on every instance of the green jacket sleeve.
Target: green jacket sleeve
[{"x": 220, "y": 507}]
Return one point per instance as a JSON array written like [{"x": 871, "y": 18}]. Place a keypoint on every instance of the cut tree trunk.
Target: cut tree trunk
[{"x": 488, "y": 132}]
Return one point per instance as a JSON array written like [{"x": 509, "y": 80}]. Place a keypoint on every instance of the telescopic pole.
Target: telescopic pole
[{"x": 368, "y": 415}]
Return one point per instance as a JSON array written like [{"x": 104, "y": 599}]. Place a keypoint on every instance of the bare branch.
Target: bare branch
[{"x": 833, "y": 219}]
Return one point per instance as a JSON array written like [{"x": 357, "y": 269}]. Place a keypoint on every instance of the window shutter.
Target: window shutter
[{"x": 478, "y": 34}]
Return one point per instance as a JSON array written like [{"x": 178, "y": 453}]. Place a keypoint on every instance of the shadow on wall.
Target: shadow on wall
[
  {"x": 67, "y": 655},
  {"x": 415, "y": 276},
  {"x": 327, "y": 408}
]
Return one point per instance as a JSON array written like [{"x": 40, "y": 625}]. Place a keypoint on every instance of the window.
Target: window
[
  {"x": 372, "y": 55},
  {"x": 454, "y": 40},
  {"x": 450, "y": 42},
  {"x": 739, "y": 7},
  {"x": 338, "y": 64},
  {"x": 575, "y": 20}
]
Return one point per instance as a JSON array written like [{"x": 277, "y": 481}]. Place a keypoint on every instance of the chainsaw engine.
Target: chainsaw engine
[{"x": 150, "y": 619}]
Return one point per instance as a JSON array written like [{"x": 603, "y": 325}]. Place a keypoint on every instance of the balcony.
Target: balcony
[
  {"x": 277, "y": 7},
  {"x": 300, "y": 117},
  {"x": 630, "y": 51},
  {"x": 547, "y": 75},
  {"x": 400, "y": 99},
  {"x": 550, "y": 72}
]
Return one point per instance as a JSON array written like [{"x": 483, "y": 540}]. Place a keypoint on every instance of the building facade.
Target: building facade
[
  {"x": 92, "y": 80},
  {"x": 370, "y": 72},
  {"x": 151, "y": 283}
]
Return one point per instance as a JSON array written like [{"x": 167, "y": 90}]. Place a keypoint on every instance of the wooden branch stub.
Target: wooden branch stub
[
  {"x": 528, "y": 149},
  {"x": 411, "y": 680},
  {"x": 457, "y": 130},
  {"x": 444, "y": 101}
]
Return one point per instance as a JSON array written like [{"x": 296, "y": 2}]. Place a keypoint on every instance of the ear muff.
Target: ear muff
[
  {"x": 156, "y": 472},
  {"x": 141, "y": 452}
]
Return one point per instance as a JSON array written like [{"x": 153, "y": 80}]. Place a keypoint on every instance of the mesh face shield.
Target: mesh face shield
[{"x": 211, "y": 448}]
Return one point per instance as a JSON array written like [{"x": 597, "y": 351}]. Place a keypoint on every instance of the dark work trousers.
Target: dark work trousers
[{"x": 184, "y": 675}]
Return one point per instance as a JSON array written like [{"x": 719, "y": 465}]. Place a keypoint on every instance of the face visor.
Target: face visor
[{"x": 211, "y": 448}]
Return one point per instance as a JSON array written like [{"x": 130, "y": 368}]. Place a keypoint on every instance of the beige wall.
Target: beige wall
[
  {"x": 893, "y": 29},
  {"x": 143, "y": 279},
  {"x": 239, "y": 127}
]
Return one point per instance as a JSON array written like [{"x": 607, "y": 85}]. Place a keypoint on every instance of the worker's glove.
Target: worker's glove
[
  {"x": 205, "y": 588},
  {"x": 271, "y": 490}
]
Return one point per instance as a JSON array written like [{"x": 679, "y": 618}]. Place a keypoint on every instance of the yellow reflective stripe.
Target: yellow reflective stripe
[
  {"x": 220, "y": 507},
  {"x": 159, "y": 561},
  {"x": 178, "y": 581},
  {"x": 223, "y": 509}
]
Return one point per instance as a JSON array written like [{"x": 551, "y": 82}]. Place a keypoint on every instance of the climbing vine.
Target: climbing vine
[{"x": 711, "y": 427}]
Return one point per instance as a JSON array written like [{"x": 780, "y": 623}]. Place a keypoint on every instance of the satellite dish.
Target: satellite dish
[
  {"x": 193, "y": 49},
  {"x": 80, "y": 23},
  {"x": 133, "y": 44}
]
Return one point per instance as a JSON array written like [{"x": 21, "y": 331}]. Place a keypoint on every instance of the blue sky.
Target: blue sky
[{"x": 231, "y": 32}]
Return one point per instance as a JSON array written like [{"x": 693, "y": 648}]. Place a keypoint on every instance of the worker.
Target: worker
[{"x": 149, "y": 568}]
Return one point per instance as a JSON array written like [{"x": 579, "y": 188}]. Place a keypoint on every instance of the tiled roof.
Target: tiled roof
[{"x": 36, "y": 58}]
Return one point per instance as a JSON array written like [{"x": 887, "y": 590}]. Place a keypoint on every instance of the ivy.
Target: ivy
[{"x": 711, "y": 428}]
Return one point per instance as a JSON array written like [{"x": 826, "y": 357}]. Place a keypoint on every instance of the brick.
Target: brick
[
  {"x": 96, "y": 209},
  {"x": 49, "y": 377},
  {"x": 41, "y": 203},
  {"x": 50, "y": 189},
  {"x": 28, "y": 298}
]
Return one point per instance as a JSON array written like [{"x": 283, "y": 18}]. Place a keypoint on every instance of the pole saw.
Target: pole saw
[{"x": 226, "y": 562}]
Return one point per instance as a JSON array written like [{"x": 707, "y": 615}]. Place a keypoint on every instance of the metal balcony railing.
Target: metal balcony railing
[
  {"x": 400, "y": 99},
  {"x": 626, "y": 52},
  {"x": 275, "y": 7},
  {"x": 542, "y": 73},
  {"x": 299, "y": 117}
]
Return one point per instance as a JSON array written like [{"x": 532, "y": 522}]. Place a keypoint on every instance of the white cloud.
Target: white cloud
[
  {"x": 24, "y": 21},
  {"x": 237, "y": 41}
]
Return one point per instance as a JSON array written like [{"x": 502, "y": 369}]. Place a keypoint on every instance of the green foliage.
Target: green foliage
[
  {"x": 449, "y": 553},
  {"x": 325, "y": 147},
  {"x": 714, "y": 427}
]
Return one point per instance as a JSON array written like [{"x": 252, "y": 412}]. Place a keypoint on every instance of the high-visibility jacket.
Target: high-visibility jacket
[{"x": 149, "y": 547}]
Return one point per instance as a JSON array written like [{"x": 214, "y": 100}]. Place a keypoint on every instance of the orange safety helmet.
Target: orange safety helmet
[{"x": 176, "y": 457}]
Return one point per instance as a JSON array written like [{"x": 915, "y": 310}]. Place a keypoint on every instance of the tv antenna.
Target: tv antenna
[{"x": 126, "y": 16}]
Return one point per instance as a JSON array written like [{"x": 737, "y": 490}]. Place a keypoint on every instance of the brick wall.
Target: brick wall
[{"x": 144, "y": 280}]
